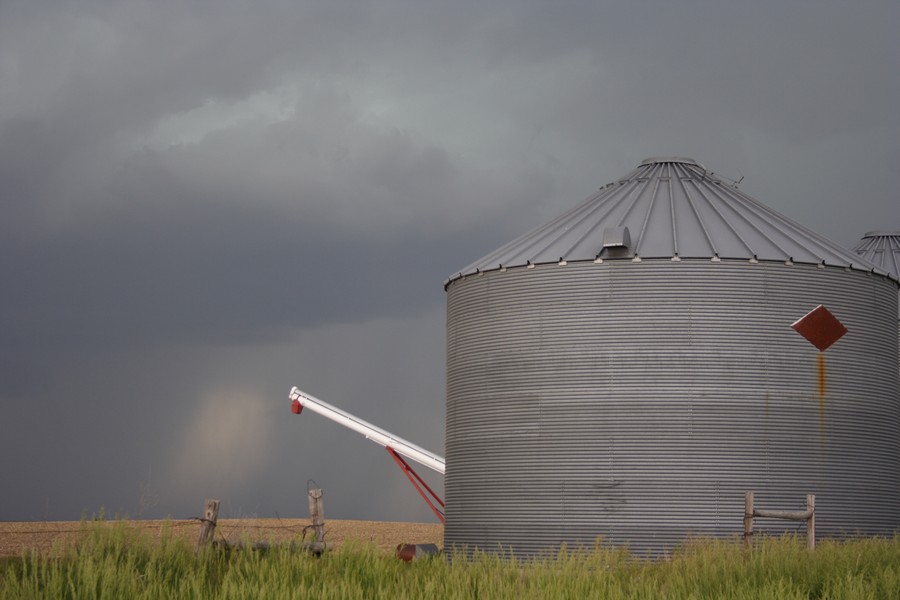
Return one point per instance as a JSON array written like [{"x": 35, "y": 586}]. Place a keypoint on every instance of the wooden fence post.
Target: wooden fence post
[
  {"x": 208, "y": 522},
  {"x": 811, "y": 521},
  {"x": 808, "y": 515},
  {"x": 317, "y": 513},
  {"x": 748, "y": 519}
]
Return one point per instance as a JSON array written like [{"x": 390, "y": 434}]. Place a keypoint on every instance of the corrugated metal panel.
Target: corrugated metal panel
[
  {"x": 672, "y": 207},
  {"x": 637, "y": 401}
]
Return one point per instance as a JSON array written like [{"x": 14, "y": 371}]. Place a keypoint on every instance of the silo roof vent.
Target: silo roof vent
[
  {"x": 673, "y": 208},
  {"x": 616, "y": 237}
]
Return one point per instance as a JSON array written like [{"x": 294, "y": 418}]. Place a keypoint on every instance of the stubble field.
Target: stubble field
[{"x": 44, "y": 536}]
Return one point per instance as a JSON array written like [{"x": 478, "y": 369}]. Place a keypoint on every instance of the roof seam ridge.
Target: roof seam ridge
[{"x": 690, "y": 199}]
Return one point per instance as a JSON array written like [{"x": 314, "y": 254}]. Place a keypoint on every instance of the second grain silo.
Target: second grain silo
[
  {"x": 629, "y": 370},
  {"x": 882, "y": 249}
]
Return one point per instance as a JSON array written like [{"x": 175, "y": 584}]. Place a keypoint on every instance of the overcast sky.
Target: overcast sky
[{"x": 203, "y": 204}]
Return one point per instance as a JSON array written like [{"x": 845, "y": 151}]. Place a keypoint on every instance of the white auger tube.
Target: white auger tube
[{"x": 301, "y": 400}]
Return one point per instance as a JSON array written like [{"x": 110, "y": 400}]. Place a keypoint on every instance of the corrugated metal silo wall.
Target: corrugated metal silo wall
[{"x": 637, "y": 402}]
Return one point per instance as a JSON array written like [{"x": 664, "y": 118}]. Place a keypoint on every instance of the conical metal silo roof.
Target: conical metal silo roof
[
  {"x": 670, "y": 207},
  {"x": 882, "y": 249}
]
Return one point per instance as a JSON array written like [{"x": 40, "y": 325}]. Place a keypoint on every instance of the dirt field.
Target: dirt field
[{"x": 16, "y": 537}]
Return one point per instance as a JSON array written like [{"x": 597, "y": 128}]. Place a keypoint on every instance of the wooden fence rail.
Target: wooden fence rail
[
  {"x": 316, "y": 515},
  {"x": 808, "y": 515}
]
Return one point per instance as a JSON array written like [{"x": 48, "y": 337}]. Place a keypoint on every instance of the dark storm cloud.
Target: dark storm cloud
[
  {"x": 204, "y": 203},
  {"x": 169, "y": 259}
]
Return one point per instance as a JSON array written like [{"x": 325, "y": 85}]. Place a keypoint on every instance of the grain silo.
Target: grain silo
[
  {"x": 882, "y": 249},
  {"x": 628, "y": 370}
]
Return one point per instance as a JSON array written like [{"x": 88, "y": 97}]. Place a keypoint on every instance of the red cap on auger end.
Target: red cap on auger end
[{"x": 296, "y": 407}]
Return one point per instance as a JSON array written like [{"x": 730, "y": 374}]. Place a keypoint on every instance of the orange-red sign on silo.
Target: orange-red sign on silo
[{"x": 820, "y": 328}]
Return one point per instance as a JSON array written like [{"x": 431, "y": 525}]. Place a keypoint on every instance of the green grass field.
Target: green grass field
[{"x": 118, "y": 562}]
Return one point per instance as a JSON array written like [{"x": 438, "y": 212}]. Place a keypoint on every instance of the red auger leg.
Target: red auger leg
[{"x": 419, "y": 484}]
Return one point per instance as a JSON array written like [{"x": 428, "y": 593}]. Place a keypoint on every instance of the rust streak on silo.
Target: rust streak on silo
[{"x": 823, "y": 384}]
